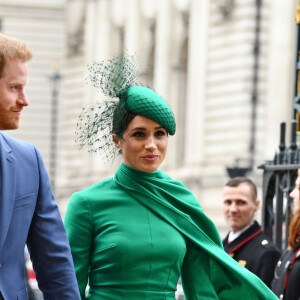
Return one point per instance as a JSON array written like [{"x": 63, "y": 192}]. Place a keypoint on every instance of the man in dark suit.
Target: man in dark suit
[
  {"x": 246, "y": 242},
  {"x": 28, "y": 212}
]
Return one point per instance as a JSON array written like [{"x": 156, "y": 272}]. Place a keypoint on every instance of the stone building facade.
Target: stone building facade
[
  {"x": 197, "y": 54},
  {"x": 41, "y": 24}
]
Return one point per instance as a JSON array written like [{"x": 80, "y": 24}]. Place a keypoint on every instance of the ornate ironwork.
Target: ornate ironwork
[
  {"x": 280, "y": 174},
  {"x": 278, "y": 181}
]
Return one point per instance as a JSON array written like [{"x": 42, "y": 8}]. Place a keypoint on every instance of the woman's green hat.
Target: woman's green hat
[
  {"x": 115, "y": 78},
  {"x": 145, "y": 102}
]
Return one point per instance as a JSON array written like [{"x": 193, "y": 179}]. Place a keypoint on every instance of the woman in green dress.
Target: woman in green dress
[{"x": 133, "y": 235}]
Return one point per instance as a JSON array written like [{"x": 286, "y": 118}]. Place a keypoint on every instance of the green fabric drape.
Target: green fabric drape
[{"x": 218, "y": 275}]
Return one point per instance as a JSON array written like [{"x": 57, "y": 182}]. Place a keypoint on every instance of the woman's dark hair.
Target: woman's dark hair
[
  {"x": 121, "y": 118},
  {"x": 294, "y": 230}
]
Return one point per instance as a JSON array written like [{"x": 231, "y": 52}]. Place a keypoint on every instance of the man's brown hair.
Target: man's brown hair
[
  {"x": 11, "y": 48},
  {"x": 237, "y": 181}
]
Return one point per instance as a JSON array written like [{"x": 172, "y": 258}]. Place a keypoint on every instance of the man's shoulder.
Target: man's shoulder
[
  {"x": 264, "y": 244},
  {"x": 253, "y": 239},
  {"x": 14, "y": 142}
]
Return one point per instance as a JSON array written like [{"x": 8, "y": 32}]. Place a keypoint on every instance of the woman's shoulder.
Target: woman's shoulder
[
  {"x": 290, "y": 254},
  {"x": 106, "y": 183},
  {"x": 95, "y": 190},
  {"x": 296, "y": 259}
]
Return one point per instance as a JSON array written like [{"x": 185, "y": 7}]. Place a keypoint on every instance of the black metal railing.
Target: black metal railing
[
  {"x": 280, "y": 174},
  {"x": 278, "y": 181}
]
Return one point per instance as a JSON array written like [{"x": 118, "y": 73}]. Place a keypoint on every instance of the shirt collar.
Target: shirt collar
[{"x": 232, "y": 236}]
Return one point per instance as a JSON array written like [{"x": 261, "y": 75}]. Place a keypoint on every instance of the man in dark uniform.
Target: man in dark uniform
[{"x": 246, "y": 242}]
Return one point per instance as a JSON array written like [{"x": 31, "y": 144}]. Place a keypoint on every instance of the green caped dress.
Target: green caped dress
[{"x": 134, "y": 235}]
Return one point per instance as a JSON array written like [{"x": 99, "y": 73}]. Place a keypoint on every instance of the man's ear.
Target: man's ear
[{"x": 257, "y": 202}]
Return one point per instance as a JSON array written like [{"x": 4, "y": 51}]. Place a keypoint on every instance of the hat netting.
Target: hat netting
[{"x": 115, "y": 78}]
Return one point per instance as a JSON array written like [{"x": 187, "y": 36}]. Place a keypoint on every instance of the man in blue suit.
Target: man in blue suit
[{"x": 28, "y": 212}]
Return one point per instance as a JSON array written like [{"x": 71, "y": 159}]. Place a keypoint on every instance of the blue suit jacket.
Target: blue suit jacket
[{"x": 29, "y": 214}]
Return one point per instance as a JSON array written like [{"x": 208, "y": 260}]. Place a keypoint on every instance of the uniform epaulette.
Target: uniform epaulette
[{"x": 266, "y": 244}]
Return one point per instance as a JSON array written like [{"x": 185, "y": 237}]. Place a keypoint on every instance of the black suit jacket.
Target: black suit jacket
[{"x": 255, "y": 251}]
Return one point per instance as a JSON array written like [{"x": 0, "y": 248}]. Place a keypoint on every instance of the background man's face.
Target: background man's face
[
  {"x": 239, "y": 206},
  {"x": 12, "y": 94}
]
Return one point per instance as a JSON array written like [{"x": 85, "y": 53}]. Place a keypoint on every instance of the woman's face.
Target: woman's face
[
  {"x": 143, "y": 145},
  {"x": 295, "y": 194}
]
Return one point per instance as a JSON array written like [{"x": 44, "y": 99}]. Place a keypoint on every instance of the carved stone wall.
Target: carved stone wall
[{"x": 197, "y": 54}]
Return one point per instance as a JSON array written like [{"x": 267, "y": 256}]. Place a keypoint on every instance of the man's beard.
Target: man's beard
[{"x": 7, "y": 121}]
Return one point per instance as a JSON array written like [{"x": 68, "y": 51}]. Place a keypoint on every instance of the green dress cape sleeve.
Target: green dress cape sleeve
[{"x": 208, "y": 272}]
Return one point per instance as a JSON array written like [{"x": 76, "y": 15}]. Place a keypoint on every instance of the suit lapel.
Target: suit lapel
[
  {"x": 8, "y": 188},
  {"x": 244, "y": 238}
]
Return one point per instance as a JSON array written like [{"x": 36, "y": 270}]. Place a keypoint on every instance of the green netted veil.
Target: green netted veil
[{"x": 116, "y": 79}]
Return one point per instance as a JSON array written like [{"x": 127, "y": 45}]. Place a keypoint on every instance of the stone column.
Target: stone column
[
  {"x": 133, "y": 27},
  {"x": 162, "y": 50},
  {"x": 97, "y": 48},
  {"x": 178, "y": 82},
  {"x": 162, "y": 60},
  {"x": 97, "y": 37},
  {"x": 196, "y": 90},
  {"x": 280, "y": 75}
]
